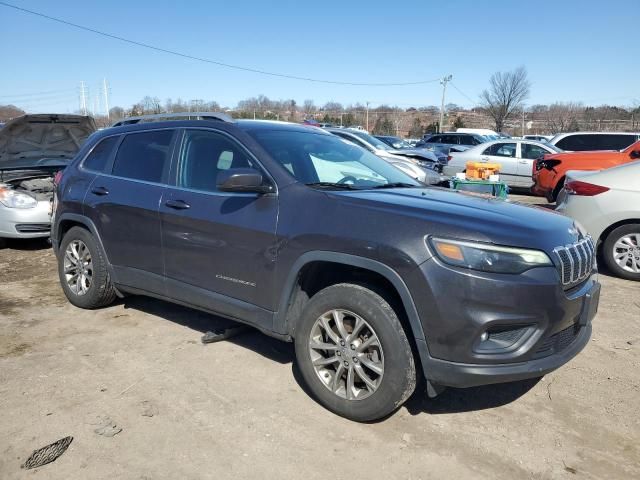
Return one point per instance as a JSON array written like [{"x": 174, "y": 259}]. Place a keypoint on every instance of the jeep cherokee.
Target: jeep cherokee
[{"x": 376, "y": 278}]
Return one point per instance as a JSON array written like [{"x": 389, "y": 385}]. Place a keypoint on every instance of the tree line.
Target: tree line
[{"x": 501, "y": 106}]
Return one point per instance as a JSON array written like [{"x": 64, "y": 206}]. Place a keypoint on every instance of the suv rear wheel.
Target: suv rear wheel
[
  {"x": 353, "y": 353},
  {"x": 621, "y": 251},
  {"x": 83, "y": 270}
]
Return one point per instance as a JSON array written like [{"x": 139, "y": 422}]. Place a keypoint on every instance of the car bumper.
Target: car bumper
[
  {"x": 550, "y": 326},
  {"x": 26, "y": 222}
]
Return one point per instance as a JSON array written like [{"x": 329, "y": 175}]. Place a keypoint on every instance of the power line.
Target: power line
[
  {"x": 473, "y": 102},
  {"x": 37, "y": 94},
  {"x": 214, "y": 62}
]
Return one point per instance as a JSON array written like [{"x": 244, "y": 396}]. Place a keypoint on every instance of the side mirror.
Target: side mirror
[
  {"x": 242, "y": 180},
  {"x": 635, "y": 154}
]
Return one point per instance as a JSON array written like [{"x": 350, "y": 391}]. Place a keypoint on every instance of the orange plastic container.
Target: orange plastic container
[{"x": 481, "y": 170}]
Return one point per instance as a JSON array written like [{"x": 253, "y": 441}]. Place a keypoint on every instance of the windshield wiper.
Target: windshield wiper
[
  {"x": 344, "y": 186},
  {"x": 396, "y": 185}
]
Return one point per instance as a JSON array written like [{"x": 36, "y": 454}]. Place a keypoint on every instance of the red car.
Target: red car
[{"x": 550, "y": 170}]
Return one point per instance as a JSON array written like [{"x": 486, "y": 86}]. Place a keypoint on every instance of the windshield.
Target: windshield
[
  {"x": 370, "y": 139},
  {"x": 316, "y": 158},
  {"x": 398, "y": 143}
]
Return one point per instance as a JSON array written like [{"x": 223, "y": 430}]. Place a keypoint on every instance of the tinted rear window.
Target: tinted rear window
[
  {"x": 99, "y": 156},
  {"x": 602, "y": 141},
  {"x": 144, "y": 156}
]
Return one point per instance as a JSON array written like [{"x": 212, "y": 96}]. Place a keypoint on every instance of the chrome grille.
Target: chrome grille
[{"x": 576, "y": 261}]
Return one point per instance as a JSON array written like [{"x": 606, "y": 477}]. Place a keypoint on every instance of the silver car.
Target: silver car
[
  {"x": 416, "y": 166},
  {"x": 515, "y": 157},
  {"x": 33, "y": 148},
  {"x": 607, "y": 204}
]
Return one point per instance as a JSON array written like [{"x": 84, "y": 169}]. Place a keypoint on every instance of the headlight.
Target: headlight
[
  {"x": 488, "y": 258},
  {"x": 13, "y": 199}
]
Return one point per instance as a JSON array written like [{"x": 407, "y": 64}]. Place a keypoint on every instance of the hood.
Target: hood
[
  {"x": 416, "y": 153},
  {"x": 27, "y": 140},
  {"x": 469, "y": 217}
]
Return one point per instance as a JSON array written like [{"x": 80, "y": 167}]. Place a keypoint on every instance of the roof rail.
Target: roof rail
[{"x": 222, "y": 117}]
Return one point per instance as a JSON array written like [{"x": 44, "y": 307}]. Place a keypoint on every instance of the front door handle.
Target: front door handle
[
  {"x": 177, "y": 204},
  {"x": 100, "y": 191}
]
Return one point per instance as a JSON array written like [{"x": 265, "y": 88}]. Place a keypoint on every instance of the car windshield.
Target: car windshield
[
  {"x": 328, "y": 161},
  {"x": 370, "y": 139},
  {"x": 398, "y": 143}
]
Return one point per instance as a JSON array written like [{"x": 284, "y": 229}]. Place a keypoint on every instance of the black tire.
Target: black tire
[
  {"x": 608, "y": 249},
  {"x": 556, "y": 191},
  {"x": 397, "y": 382},
  {"x": 101, "y": 291}
]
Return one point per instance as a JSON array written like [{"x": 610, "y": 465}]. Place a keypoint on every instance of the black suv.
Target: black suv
[
  {"x": 456, "y": 142},
  {"x": 376, "y": 278}
]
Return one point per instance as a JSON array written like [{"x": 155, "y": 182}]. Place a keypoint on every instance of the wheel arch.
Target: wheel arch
[
  {"x": 605, "y": 233},
  {"x": 69, "y": 220},
  {"x": 292, "y": 298}
]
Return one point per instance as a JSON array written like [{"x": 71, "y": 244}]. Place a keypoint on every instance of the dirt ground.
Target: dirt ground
[{"x": 236, "y": 409}]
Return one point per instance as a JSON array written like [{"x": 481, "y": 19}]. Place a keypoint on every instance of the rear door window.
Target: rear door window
[
  {"x": 99, "y": 157},
  {"x": 435, "y": 139},
  {"x": 144, "y": 156}
]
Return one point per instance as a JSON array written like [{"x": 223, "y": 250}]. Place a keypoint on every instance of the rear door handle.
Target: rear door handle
[
  {"x": 100, "y": 191},
  {"x": 177, "y": 204}
]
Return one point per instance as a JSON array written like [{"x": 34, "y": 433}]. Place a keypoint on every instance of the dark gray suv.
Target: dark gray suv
[{"x": 376, "y": 278}]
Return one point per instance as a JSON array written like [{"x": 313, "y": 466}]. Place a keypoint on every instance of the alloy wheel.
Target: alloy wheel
[
  {"x": 626, "y": 252},
  {"x": 78, "y": 267},
  {"x": 346, "y": 354}
]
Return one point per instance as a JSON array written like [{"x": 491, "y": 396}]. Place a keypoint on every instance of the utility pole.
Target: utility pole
[
  {"x": 106, "y": 99},
  {"x": 367, "y": 117},
  {"x": 523, "y": 121},
  {"x": 443, "y": 82},
  {"x": 83, "y": 99}
]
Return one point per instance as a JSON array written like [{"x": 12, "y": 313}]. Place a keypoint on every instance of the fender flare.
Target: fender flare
[
  {"x": 280, "y": 320},
  {"x": 88, "y": 223}
]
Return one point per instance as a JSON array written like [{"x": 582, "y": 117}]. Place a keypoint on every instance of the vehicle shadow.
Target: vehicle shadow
[
  {"x": 459, "y": 400},
  {"x": 452, "y": 400},
  {"x": 252, "y": 339}
]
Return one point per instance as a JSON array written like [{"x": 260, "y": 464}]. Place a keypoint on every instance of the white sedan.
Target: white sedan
[
  {"x": 515, "y": 156},
  {"x": 607, "y": 204}
]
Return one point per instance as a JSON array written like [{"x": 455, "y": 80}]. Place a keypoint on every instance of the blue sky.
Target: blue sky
[{"x": 574, "y": 50}]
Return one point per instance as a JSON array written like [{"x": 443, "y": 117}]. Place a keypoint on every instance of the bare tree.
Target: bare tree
[
  {"x": 563, "y": 117},
  {"x": 507, "y": 91}
]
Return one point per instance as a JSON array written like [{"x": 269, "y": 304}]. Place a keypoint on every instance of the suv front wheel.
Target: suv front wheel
[
  {"x": 82, "y": 269},
  {"x": 354, "y": 354}
]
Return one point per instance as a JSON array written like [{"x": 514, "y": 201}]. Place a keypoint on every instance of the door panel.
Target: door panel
[
  {"x": 123, "y": 205},
  {"x": 126, "y": 217},
  {"x": 220, "y": 242},
  {"x": 504, "y": 154}
]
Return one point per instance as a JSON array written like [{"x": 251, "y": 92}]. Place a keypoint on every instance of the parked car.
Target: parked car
[
  {"x": 452, "y": 142},
  {"x": 483, "y": 132},
  {"x": 538, "y": 138},
  {"x": 32, "y": 149},
  {"x": 367, "y": 276},
  {"x": 421, "y": 165},
  {"x": 607, "y": 205},
  {"x": 398, "y": 143},
  {"x": 549, "y": 172},
  {"x": 590, "y": 141},
  {"x": 515, "y": 157}
]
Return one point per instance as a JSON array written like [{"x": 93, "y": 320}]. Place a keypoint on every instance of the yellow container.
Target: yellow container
[{"x": 481, "y": 170}]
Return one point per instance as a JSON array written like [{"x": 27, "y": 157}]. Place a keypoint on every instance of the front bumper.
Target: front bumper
[
  {"x": 26, "y": 222},
  {"x": 539, "y": 325}
]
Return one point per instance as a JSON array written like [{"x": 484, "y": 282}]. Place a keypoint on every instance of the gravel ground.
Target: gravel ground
[{"x": 144, "y": 399}]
